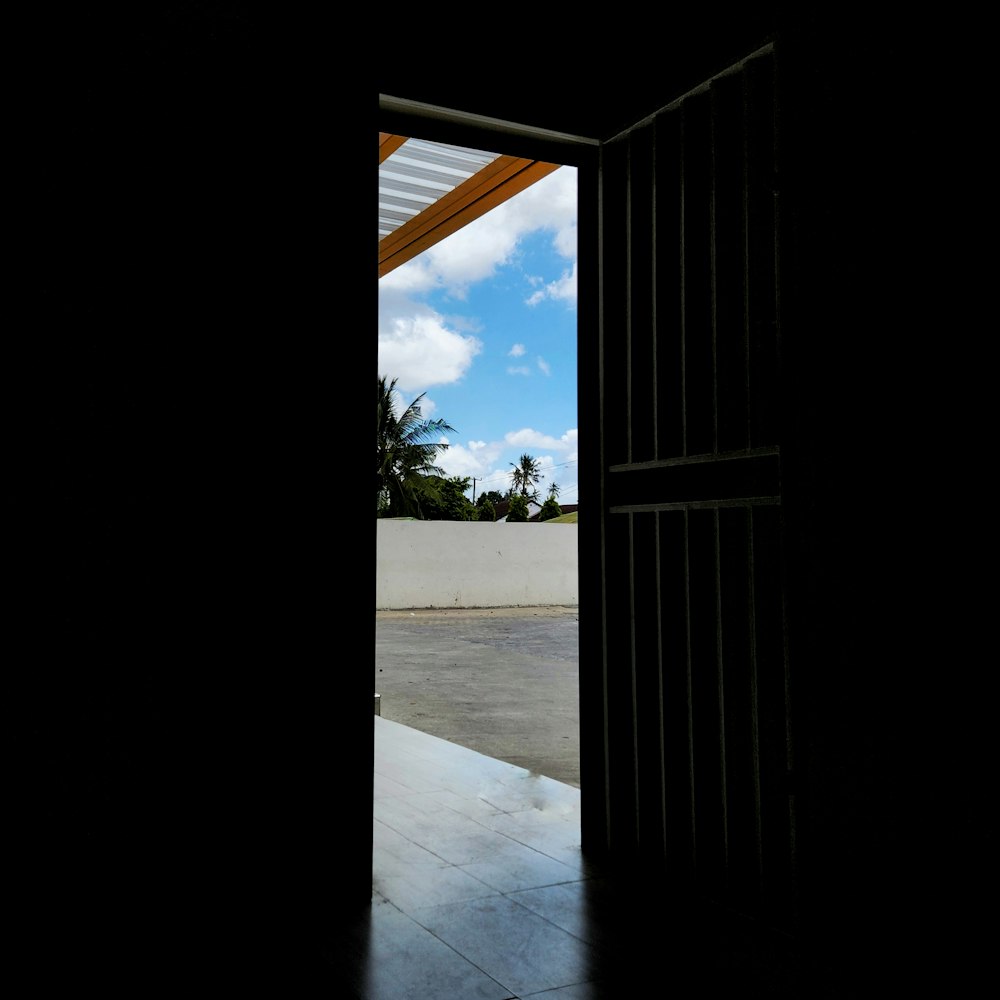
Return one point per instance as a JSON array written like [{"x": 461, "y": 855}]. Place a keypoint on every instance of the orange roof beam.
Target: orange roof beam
[
  {"x": 388, "y": 144},
  {"x": 505, "y": 177}
]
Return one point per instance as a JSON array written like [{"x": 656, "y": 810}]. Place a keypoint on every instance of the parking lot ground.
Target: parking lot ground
[{"x": 501, "y": 681}]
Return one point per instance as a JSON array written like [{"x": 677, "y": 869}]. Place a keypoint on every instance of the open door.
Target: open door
[{"x": 684, "y": 667}]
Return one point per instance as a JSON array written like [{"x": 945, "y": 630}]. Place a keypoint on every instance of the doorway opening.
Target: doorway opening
[{"x": 477, "y": 622}]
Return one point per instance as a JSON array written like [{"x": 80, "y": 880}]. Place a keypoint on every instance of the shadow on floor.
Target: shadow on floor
[{"x": 481, "y": 892}]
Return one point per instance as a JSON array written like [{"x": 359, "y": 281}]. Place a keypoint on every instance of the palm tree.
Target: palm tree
[
  {"x": 526, "y": 473},
  {"x": 406, "y": 453}
]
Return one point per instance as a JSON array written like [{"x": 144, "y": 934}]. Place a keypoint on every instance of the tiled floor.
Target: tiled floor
[{"x": 480, "y": 892}]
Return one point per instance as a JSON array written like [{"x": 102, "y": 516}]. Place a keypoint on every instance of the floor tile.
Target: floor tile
[
  {"x": 393, "y": 853},
  {"x": 418, "y": 888},
  {"x": 480, "y": 892},
  {"x": 554, "y": 836},
  {"x": 515, "y": 866},
  {"x": 512, "y": 945},
  {"x": 394, "y": 958},
  {"x": 580, "y": 991},
  {"x": 580, "y": 908}
]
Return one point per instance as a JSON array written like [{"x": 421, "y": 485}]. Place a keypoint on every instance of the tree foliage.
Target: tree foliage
[
  {"x": 406, "y": 455},
  {"x": 524, "y": 478},
  {"x": 489, "y": 496},
  {"x": 550, "y": 509},
  {"x": 445, "y": 499},
  {"x": 518, "y": 509}
]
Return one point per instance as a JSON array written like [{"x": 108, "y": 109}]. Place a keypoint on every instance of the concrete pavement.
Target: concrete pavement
[{"x": 501, "y": 681}]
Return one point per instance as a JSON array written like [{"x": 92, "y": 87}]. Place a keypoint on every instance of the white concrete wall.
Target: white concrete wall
[{"x": 468, "y": 564}]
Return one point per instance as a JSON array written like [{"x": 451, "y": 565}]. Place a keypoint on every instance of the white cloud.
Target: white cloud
[
  {"x": 544, "y": 366},
  {"x": 527, "y": 439},
  {"x": 489, "y": 462},
  {"x": 522, "y": 370},
  {"x": 563, "y": 289},
  {"x": 420, "y": 351},
  {"x": 551, "y": 200},
  {"x": 470, "y": 460},
  {"x": 516, "y": 351},
  {"x": 475, "y": 251},
  {"x": 413, "y": 278},
  {"x": 497, "y": 478}
]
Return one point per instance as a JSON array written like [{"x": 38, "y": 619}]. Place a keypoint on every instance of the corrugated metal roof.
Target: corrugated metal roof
[
  {"x": 417, "y": 174},
  {"x": 429, "y": 190}
]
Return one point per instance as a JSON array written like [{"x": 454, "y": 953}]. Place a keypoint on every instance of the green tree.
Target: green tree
[
  {"x": 406, "y": 455},
  {"x": 445, "y": 499},
  {"x": 489, "y": 496},
  {"x": 518, "y": 509},
  {"x": 486, "y": 511},
  {"x": 550, "y": 509},
  {"x": 524, "y": 478}
]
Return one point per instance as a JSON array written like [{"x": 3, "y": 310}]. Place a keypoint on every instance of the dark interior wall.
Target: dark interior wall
[
  {"x": 846, "y": 286},
  {"x": 888, "y": 767},
  {"x": 183, "y": 699}
]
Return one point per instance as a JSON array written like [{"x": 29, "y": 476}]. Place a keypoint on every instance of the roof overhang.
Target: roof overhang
[{"x": 429, "y": 190}]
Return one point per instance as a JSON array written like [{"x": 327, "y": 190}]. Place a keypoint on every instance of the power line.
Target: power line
[{"x": 506, "y": 476}]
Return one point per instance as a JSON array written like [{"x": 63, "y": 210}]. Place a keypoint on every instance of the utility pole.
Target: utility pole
[{"x": 473, "y": 491}]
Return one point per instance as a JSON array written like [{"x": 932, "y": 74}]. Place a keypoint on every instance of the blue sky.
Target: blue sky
[{"x": 484, "y": 323}]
